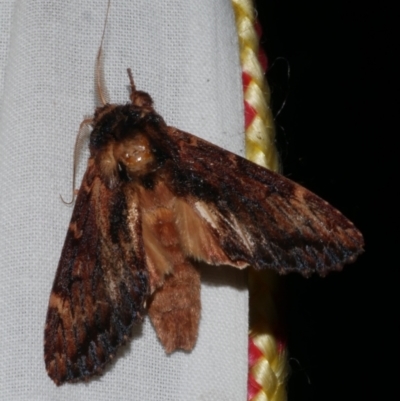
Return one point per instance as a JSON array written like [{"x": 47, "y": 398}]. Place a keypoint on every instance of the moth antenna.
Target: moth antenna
[
  {"x": 132, "y": 83},
  {"x": 101, "y": 89},
  {"x": 84, "y": 123},
  {"x": 139, "y": 98}
]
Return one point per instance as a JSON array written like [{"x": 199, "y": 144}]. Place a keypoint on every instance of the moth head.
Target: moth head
[
  {"x": 135, "y": 155},
  {"x": 129, "y": 141},
  {"x": 126, "y": 160}
]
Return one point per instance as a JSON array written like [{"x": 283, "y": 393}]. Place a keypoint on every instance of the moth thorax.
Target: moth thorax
[{"x": 134, "y": 154}]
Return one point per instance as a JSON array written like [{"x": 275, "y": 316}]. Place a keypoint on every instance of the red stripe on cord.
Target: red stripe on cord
[
  {"x": 254, "y": 355},
  {"x": 246, "y": 79},
  {"x": 254, "y": 352},
  {"x": 249, "y": 114},
  {"x": 252, "y": 387}
]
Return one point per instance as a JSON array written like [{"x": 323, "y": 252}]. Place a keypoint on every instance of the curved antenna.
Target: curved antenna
[
  {"x": 102, "y": 95},
  {"x": 100, "y": 83},
  {"x": 85, "y": 122}
]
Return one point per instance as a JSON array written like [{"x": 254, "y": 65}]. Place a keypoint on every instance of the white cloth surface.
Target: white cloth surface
[{"x": 185, "y": 54}]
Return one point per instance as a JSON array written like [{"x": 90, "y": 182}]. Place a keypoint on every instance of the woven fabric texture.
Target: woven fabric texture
[{"x": 185, "y": 54}]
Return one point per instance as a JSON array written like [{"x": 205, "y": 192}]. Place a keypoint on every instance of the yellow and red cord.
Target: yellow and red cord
[{"x": 268, "y": 366}]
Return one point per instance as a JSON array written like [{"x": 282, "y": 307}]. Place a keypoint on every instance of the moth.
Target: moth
[{"x": 154, "y": 201}]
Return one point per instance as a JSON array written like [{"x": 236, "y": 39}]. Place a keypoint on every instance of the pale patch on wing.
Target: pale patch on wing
[
  {"x": 241, "y": 231},
  {"x": 133, "y": 217},
  {"x": 205, "y": 213},
  {"x": 214, "y": 218},
  {"x": 198, "y": 230},
  {"x": 58, "y": 302}
]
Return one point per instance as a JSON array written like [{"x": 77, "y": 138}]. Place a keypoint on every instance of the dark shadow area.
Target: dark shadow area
[{"x": 333, "y": 134}]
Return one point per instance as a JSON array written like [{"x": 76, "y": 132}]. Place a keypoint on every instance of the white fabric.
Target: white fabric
[{"x": 185, "y": 54}]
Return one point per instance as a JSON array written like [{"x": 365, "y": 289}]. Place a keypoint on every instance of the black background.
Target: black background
[{"x": 336, "y": 138}]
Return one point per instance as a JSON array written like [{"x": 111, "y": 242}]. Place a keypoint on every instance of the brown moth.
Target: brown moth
[{"x": 153, "y": 201}]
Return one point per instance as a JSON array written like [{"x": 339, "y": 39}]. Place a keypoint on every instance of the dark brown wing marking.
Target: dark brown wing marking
[
  {"x": 101, "y": 282},
  {"x": 257, "y": 217}
]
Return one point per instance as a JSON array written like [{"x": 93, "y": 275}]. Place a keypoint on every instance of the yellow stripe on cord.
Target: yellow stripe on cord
[{"x": 268, "y": 367}]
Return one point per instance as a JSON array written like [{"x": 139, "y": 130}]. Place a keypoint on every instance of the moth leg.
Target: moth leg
[{"x": 175, "y": 308}]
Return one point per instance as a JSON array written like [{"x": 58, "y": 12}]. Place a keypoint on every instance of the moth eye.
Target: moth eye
[{"x": 135, "y": 154}]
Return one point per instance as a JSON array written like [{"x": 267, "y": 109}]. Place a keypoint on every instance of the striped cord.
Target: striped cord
[{"x": 268, "y": 366}]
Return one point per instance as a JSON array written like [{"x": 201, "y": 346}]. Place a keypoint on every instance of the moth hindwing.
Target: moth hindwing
[{"x": 153, "y": 201}]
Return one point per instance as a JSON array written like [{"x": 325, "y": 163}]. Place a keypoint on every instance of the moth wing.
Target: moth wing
[
  {"x": 238, "y": 213},
  {"x": 101, "y": 283}
]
